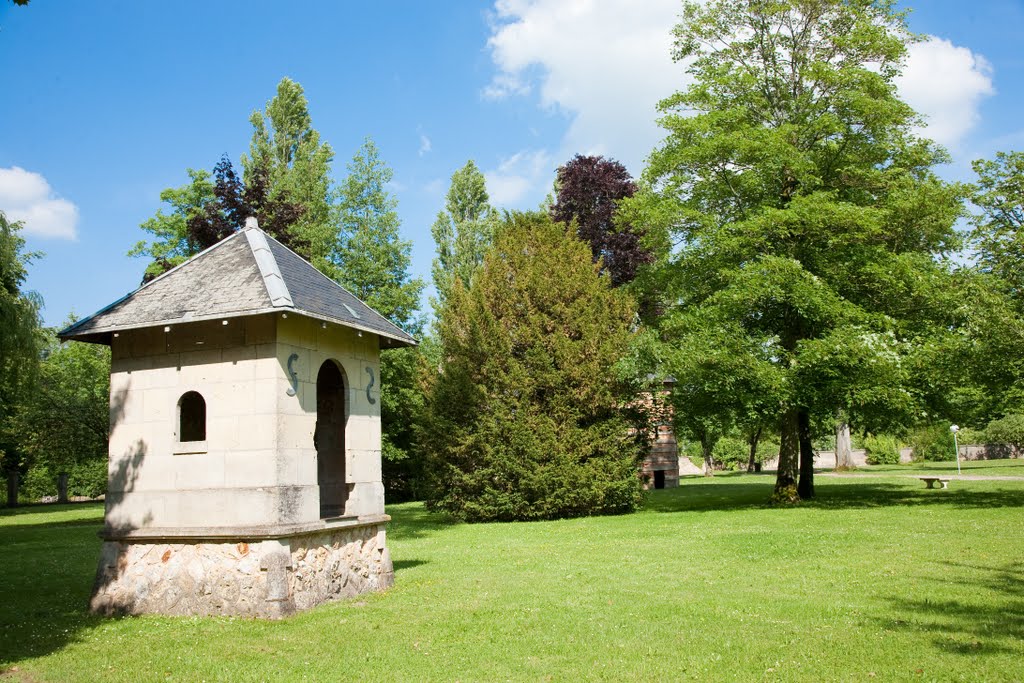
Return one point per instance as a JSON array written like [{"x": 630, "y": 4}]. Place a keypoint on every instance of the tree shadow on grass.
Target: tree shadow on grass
[
  {"x": 91, "y": 515},
  {"x": 47, "y": 576},
  {"x": 988, "y": 619},
  {"x": 746, "y": 492},
  {"x": 399, "y": 565},
  {"x": 413, "y": 520}
]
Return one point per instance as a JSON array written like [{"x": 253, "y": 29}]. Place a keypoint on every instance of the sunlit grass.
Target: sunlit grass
[{"x": 879, "y": 579}]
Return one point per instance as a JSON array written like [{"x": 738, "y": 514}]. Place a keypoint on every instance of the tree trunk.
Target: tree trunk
[
  {"x": 789, "y": 460},
  {"x": 844, "y": 458},
  {"x": 806, "y": 486},
  {"x": 752, "y": 461},
  {"x": 709, "y": 461},
  {"x": 62, "y": 487},
  {"x": 12, "y": 488}
]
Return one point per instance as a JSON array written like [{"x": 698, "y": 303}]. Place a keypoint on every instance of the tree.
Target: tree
[
  {"x": 171, "y": 243},
  {"x": 724, "y": 380},
  {"x": 802, "y": 206},
  {"x": 844, "y": 454},
  {"x": 588, "y": 191},
  {"x": 19, "y": 345},
  {"x": 523, "y": 422},
  {"x": 286, "y": 185},
  {"x": 999, "y": 225},
  {"x": 372, "y": 261},
  {"x": 63, "y": 421},
  {"x": 463, "y": 232},
  {"x": 970, "y": 369},
  {"x": 290, "y": 167}
]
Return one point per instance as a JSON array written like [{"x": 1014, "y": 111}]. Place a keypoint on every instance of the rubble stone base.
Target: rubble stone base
[{"x": 254, "y": 578}]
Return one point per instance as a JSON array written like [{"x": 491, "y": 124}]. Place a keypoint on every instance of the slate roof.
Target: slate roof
[{"x": 248, "y": 273}]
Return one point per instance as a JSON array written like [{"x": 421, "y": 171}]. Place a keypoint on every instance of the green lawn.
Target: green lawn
[{"x": 879, "y": 579}]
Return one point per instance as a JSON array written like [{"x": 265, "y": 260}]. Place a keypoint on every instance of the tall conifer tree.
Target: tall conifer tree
[{"x": 524, "y": 421}]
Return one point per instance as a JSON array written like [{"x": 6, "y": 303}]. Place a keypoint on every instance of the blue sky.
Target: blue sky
[{"x": 106, "y": 104}]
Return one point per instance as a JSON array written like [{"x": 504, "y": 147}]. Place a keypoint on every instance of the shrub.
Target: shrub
[
  {"x": 88, "y": 478},
  {"x": 1008, "y": 431},
  {"x": 882, "y": 449},
  {"x": 767, "y": 449},
  {"x": 933, "y": 443},
  {"x": 524, "y": 420},
  {"x": 37, "y": 483},
  {"x": 971, "y": 436},
  {"x": 731, "y": 453}
]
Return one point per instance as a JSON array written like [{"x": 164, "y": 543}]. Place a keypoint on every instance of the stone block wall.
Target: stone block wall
[
  {"x": 358, "y": 356},
  {"x": 257, "y": 465},
  {"x": 256, "y": 578}
]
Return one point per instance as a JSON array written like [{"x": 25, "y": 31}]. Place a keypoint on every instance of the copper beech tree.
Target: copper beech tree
[{"x": 589, "y": 189}]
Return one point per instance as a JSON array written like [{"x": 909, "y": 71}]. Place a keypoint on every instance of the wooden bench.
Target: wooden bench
[{"x": 931, "y": 481}]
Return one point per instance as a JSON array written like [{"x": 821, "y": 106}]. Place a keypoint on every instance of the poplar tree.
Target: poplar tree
[
  {"x": 372, "y": 261},
  {"x": 288, "y": 159},
  {"x": 802, "y": 207},
  {"x": 463, "y": 232},
  {"x": 524, "y": 420}
]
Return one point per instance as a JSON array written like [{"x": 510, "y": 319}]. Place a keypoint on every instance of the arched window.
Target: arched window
[{"x": 191, "y": 417}]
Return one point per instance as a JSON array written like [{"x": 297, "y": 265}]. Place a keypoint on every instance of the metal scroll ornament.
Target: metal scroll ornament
[
  {"x": 369, "y": 386},
  {"x": 293, "y": 377}
]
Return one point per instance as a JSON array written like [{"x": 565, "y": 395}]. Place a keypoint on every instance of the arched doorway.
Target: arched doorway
[{"x": 329, "y": 440}]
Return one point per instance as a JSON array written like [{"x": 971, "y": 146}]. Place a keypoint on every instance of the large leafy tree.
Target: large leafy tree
[
  {"x": 170, "y": 243},
  {"x": 589, "y": 189},
  {"x": 801, "y": 206},
  {"x": 20, "y": 341},
  {"x": 63, "y": 421},
  {"x": 523, "y": 421},
  {"x": 463, "y": 232},
  {"x": 991, "y": 305},
  {"x": 999, "y": 223}
]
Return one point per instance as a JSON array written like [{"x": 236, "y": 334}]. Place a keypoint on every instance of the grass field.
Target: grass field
[{"x": 878, "y": 579}]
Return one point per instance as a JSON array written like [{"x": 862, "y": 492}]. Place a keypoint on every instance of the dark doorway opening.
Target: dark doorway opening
[
  {"x": 659, "y": 479},
  {"x": 329, "y": 440}
]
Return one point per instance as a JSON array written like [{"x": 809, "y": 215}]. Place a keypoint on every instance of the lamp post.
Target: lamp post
[{"x": 956, "y": 446}]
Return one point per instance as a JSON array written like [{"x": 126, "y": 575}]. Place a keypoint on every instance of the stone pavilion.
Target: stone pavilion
[{"x": 245, "y": 438}]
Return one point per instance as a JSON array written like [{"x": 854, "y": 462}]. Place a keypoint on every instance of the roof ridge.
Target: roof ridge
[
  {"x": 277, "y": 288},
  {"x": 336, "y": 284}
]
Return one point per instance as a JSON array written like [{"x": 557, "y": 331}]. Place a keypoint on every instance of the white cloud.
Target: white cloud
[
  {"x": 606, "y": 64},
  {"x": 425, "y": 145},
  {"x": 518, "y": 175},
  {"x": 27, "y": 197},
  {"x": 946, "y": 83}
]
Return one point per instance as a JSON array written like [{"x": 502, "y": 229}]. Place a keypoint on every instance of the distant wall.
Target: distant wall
[{"x": 827, "y": 459}]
